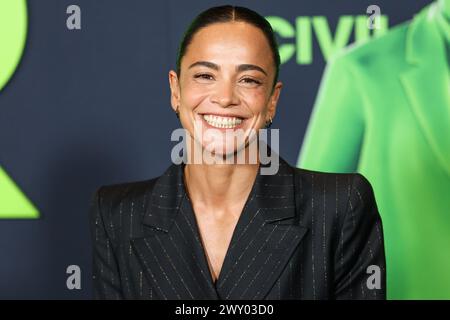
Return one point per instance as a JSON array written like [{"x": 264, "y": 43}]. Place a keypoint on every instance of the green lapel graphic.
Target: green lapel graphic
[{"x": 13, "y": 32}]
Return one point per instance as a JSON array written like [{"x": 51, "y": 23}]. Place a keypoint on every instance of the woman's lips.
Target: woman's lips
[{"x": 222, "y": 122}]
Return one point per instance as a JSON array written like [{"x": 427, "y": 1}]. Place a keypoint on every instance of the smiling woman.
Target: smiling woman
[
  {"x": 225, "y": 230},
  {"x": 227, "y": 68}
]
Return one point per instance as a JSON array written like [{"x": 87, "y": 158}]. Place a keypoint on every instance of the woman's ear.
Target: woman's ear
[
  {"x": 174, "y": 90},
  {"x": 273, "y": 100}
]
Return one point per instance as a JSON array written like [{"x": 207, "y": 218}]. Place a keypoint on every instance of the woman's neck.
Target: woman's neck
[{"x": 219, "y": 186}]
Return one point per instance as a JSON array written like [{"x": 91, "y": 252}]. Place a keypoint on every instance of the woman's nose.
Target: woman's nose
[{"x": 225, "y": 94}]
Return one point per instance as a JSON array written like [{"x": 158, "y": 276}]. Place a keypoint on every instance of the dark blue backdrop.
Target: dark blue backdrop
[{"x": 91, "y": 107}]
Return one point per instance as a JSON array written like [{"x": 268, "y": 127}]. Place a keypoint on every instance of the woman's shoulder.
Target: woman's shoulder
[
  {"x": 350, "y": 186},
  {"x": 127, "y": 195},
  {"x": 118, "y": 193},
  {"x": 330, "y": 177},
  {"x": 117, "y": 204}
]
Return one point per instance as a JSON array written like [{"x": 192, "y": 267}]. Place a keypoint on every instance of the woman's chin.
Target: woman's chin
[{"x": 222, "y": 151}]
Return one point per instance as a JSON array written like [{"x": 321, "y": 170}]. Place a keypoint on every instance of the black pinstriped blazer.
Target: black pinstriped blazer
[{"x": 301, "y": 235}]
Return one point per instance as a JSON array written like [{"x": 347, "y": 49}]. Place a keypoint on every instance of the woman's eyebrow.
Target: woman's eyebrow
[
  {"x": 245, "y": 67},
  {"x": 239, "y": 68},
  {"x": 205, "y": 64}
]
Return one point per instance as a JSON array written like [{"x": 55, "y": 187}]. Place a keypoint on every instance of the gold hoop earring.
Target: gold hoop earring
[{"x": 269, "y": 123}]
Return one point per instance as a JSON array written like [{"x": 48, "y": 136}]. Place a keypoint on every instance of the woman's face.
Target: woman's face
[{"x": 225, "y": 86}]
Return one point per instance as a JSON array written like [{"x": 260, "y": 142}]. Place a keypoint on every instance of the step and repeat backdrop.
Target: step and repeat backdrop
[{"x": 84, "y": 102}]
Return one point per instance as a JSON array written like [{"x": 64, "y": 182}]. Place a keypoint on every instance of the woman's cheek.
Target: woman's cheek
[
  {"x": 199, "y": 97},
  {"x": 255, "y": 95},
  {"x": 189, "y": 100},
  {"x": 255, "y": 101}
]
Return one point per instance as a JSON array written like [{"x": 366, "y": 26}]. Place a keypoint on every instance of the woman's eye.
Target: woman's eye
[
  {"x": 204, "y": 76},
  {"x": 251, "y": 81}
]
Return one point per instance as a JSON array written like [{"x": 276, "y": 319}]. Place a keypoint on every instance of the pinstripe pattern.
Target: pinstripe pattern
[{"x": 301, "y": 235}]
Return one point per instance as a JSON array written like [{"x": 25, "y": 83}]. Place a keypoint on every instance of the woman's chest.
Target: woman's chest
[{"x": 215, "y": 235}]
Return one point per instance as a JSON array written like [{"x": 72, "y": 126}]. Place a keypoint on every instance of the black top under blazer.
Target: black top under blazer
[{"x": 301, "y": 235}]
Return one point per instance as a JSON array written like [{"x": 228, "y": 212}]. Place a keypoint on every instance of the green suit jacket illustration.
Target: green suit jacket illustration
[{"x": 383, "y": 109}]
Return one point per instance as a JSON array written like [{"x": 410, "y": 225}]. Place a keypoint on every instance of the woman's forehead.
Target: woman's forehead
[{"x": 233, "y": 42}]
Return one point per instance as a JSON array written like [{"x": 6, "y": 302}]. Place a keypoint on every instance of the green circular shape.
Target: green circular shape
[{"x": 13, "y": 33}]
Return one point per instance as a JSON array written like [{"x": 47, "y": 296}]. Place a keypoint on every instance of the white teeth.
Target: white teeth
[{"x": 222, "y": 122}]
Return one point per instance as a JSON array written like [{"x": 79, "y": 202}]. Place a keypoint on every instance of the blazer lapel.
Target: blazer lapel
[
  {"x": 264, "y": 238},
  {"x": 262, "y": 243},
  {"x": 426, "y": 83},
  {"x": 170, "y": 251}
]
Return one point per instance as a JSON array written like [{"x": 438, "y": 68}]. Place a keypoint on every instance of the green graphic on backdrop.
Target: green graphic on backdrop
[
  {"x": 297, "y": 38},
  {"x": 13, "y": 203},
  {"x": 13, "y": 31}
]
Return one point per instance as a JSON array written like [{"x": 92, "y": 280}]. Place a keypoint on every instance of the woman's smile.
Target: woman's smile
[{"x": 222, "y": 121}]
